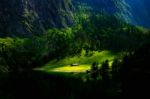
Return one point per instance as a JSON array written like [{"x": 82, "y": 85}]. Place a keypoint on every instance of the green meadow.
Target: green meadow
[{"x": 84, "y": 61}]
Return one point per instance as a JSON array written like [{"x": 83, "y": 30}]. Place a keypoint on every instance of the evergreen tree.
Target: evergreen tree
[
  {"x": 94, "y": 70},
  {"x": 116, "y": 70},
  {"x": 104, "y": 70}
]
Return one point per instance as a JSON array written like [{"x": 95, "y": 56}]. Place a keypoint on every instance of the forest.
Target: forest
[{"x": 98, "y": 55}]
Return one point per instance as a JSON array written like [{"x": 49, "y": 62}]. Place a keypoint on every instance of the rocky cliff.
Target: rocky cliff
[
  {"x": 27, "y": 17},
  {"x": 135, "y": 12}
]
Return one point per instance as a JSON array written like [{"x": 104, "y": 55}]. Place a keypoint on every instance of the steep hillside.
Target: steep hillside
[
  {"x": 27, "y": 17},
  {"x": 139, "y": 12},
  {"x": 132, "y": 11}
]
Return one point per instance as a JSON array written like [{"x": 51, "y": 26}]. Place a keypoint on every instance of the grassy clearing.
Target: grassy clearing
[
  {"x": 81, "y": 68},
  {"x": 84, "y": 61}
]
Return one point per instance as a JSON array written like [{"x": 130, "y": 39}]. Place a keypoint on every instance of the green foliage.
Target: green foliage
[
  {"x": 104, "y": 70},
  {"x": 94, "y": 70},
  {"x": 92, "y": 31},
  {"x": 115, "y": 70},
  {"x": 19, "y": 54},
  {"x": 99, "y": 31},
  {"x": 59, "y": 42}
]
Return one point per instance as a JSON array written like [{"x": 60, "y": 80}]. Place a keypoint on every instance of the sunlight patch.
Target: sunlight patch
[{"x": 82, "y": 68}]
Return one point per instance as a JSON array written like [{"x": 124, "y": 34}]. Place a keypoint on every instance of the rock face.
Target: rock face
[
  {"x": 107, "y": 6},
  {"x": 135, "y": 12},
  {"x": 28, "y": 17},
  {"x": 139, "y": 12},
  {"x": 119, "y": 8}
]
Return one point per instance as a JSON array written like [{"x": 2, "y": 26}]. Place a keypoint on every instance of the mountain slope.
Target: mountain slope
[
  {"x": 27, "y": 17},
  {"x": 139, "y": 12},
  {"x": 132, "y": 11}
]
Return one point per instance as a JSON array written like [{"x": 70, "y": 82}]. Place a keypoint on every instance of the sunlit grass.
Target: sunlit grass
[
  {"x": 84, "y": 62},
  {"x": 81, "y": 68}
]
